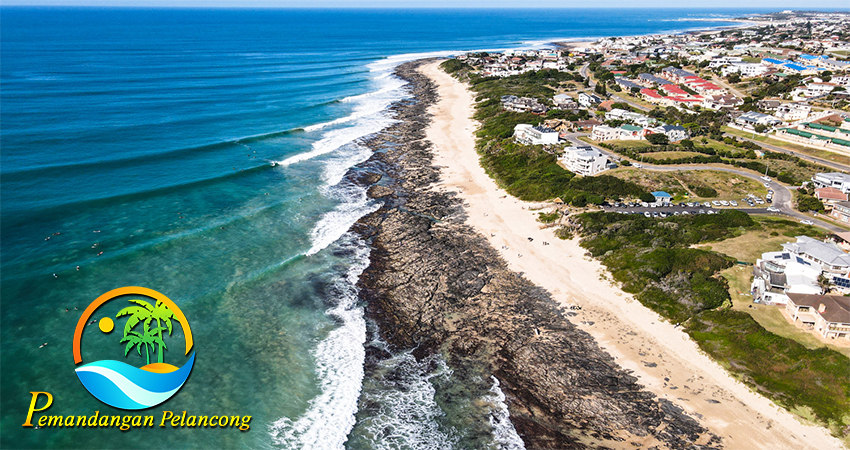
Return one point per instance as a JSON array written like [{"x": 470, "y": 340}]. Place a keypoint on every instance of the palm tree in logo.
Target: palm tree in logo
[{"x": 146, "y": 314}]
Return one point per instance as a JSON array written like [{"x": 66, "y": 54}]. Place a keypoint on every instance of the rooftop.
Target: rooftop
[
  {"x": 836, "y": 308},
  {"x": 821, "y": 251}
]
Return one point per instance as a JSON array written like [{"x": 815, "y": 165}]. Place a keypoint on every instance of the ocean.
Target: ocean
[{"x": 201, "y": 153}]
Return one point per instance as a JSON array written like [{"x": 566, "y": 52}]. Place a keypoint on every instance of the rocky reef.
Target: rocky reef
[{"x": 437, "y": 286}]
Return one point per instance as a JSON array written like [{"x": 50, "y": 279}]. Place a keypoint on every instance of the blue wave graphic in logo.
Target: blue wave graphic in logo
[{"x": 123, "y": 386}]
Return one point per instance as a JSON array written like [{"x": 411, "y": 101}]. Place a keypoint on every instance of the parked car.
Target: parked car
[
  {"x": 807, "y": 222},
  {"x": 724, "y": 203},
  {"x": 715, "y": 203},
  {"x": 733, "y": 203},
  {"x": 707, "y": 204},
  {"x": 646, "y": 214}
]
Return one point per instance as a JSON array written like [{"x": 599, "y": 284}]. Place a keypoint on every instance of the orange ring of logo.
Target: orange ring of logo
[{"x": 128, "y": 290}]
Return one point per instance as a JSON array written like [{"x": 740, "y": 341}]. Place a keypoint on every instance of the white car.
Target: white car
[
  {"x": 733, "y": 203},
  {"x": 724, "y": 203},
  {"x": 772, "y": 209},
  {"x": 765, "y": 178},
  {"x": 707, "y": 204},
  {"x": 807, "y": 222},
  {"x": 646, "y": 214},
  {"x": 644, "y": 204},
  {"x": 767, "y": 185},
  {"x": 715, "y": 203}
]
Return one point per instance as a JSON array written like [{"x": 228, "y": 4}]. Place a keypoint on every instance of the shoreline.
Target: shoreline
[
  {"x": 435, "y": 286},
  {"x": 665, "y": 360}
]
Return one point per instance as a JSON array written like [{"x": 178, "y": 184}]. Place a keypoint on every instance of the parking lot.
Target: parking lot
[{"x": 691, "y": 208}]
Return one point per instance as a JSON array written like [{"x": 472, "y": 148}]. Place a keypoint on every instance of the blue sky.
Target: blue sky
[{"x": 822, "y": 5}]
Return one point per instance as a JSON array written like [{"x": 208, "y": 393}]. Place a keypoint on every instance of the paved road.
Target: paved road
[
  {"x": 825, "y": 162},
  {"x": 781, "y": 197}
]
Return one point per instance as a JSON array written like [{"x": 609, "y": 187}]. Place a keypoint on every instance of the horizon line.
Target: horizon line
[{"x": 258, "y": 6}]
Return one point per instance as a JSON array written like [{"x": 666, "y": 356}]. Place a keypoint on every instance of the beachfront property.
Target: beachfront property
[
  {"x": 826, "y": 315},
  {"x": 776, "y": 274},
  {"x": 584, "y": 160},
  {"x": 523, "y": 104},
  {"x": 800, "y": 268},
  {"x": 535, "y": 135},
  {"x": 837, "y": 180}
]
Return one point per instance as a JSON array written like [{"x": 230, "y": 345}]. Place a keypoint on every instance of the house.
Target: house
[
  {"x": 604, "y": 133},
  {"x": 832, "y": 261},
  {"x": 841, "y": 210},
  {"x": 826, "y": 315},
  {"x": 746, "y": 70},
  {"x": 753, "y": 118},
  {"x": 675, "y": 133},
  {"x": 588, "y": 100},
  {"x": 830, "y": 196},
  {"x": 631, "y": 132},
  {"x": 776, "y": 274},
  {"x": 627, "y": 84},
  {"x": 531, "y": 135},
  {"x": 662, "y": 198},
  {"x": 812, "y": 90},
  {"x": 584, "y": 160},
  {"x": 791, "y": 112},
  {"x": 564, "y": 101},
  {"x": 838, "y": 180},
  {"x": 585, "y": 125},
  {"x": 769, "y": 105},
  {"x": 649, "y": 80},
  {"x": 523, "y": 104},
  {"x": 718, "y": 102},
  {"x": 651, "y": 95},
  {"x": 675, "y": 75}
]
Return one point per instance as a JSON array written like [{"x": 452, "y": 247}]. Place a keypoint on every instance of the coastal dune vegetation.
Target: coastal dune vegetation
[{"x": 656, "y": 260}]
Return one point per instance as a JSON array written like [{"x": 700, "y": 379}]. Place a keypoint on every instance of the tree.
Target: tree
[
  {"x": 600, "y": 89},
  {"x": 825, "y": 284},
  {"x": 658, "y": 139},
  {"x": 647, "y": 197}
]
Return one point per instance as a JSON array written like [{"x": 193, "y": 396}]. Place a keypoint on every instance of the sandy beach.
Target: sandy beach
[{"x": 664, "y": 358}]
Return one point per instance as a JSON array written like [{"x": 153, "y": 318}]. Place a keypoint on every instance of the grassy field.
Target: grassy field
[
  {"x": 670, "y": 155},
  {"x": 728, "y": 185},
  {"x": 816, "y": 152},
  {"x": 768, "y": 236}
]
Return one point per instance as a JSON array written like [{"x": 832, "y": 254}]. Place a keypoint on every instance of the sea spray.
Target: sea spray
[
  {"x": 339, "y": 360},
  {"x": 504, "y": 432}
]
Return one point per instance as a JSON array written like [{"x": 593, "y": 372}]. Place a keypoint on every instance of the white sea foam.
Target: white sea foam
[
  {"x": 504, "y": 432},
  {"x": 336, "y": 222},
  {"x": 339, "y": 360},
  {"x": 407, "y": 413}
]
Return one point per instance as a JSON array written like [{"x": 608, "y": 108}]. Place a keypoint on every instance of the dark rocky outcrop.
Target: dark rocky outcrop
[{"x": 436, "y": 285}]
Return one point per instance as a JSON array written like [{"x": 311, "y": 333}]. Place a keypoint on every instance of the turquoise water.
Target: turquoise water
[{"x": 201, "y": 153}]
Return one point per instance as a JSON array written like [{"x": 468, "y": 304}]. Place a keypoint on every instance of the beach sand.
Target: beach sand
[{"x": 664, "y": 358}]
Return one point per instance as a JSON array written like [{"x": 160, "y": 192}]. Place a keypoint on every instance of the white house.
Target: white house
[
  {"x": 588, "y": 100},
  {"x": 535, "y": 135},
  {"x": 753, "y": 118},
  {"x": 674, "y": 133},
  {"x": 746, "y": 70},
  {"x": 838, "y": 180},
  {"x": 791, "y": 112},
  {"x": 604, "y": 133},
  {"x": 776, "y": 274},
  {"x": 584, "y": 160}
]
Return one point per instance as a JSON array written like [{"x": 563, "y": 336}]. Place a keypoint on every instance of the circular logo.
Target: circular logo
[{"x": 148, "y": 321}]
